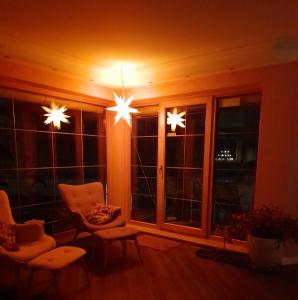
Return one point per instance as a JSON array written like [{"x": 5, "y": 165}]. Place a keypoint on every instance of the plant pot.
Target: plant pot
[{"x": 264, "y": 253}]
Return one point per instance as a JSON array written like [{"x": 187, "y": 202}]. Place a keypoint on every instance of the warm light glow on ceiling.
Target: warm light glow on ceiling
[
  {"x": 175, "y": 119},
  {"x": 122, "y": 108},
  {"x": 55, "y": 115},
  {"x": 111, "y": 76}
]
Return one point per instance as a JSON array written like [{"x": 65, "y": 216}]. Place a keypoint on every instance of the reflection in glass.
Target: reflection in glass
[
  {"x": 143, "y": 208},
  {"x": 30, "y": 116},
  {"x": 34, "y": 149},
  {"x": 7, "y": 149},
  {"x": 69, "y": 175},
  {"x": 9, "y": 184},
  {"x": 94, "y": 150},
  {"x": 68, "y": 149},
  {"x": 6, "y": 116},
  {"x": 36, "y": 186},
  {"x": 95, "y": 174},
  {"x": 94, "y": 123}
]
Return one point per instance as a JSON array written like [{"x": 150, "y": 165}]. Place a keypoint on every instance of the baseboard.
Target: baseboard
[{"x": 289, "y": 260}]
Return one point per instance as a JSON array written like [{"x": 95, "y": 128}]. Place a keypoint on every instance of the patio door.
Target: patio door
[{"x": 183, "y": 159}]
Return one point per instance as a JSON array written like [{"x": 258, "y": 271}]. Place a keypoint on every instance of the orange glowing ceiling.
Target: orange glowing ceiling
[{"x": 155, "y": 41}]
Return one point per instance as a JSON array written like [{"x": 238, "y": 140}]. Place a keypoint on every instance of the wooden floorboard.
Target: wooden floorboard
[{"x": 177, "y": 274}]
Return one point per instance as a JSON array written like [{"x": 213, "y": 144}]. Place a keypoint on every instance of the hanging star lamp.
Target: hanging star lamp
[
  {"x": 122, "y": 108},
  {"x": 55, "y": 115},
  {"x": 175, "y": 119}
]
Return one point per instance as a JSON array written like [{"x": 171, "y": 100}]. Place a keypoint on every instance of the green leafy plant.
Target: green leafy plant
[{"x": 265, "y": 222}]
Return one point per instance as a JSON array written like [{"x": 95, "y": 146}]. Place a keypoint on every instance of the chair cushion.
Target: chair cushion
[
  {"x": 27, "y": 251},
  {"x": 8, "y": 237},
  {"x": 102, "y": 214},
  {"x": 57, "y": 258}
]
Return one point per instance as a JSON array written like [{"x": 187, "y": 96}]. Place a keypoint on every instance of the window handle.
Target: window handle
[{"x": 160, "y": 170}]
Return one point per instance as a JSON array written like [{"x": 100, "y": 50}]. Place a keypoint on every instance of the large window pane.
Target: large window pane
[
  {"x": 235, "y": 157},
  {"x": 144, "y": 164},
  {"x": 184, "y": 166}
]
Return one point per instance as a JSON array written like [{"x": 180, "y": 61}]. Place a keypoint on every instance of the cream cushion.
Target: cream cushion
[
  {"x": 117, "y": 233},
  {"x": 58, "y": 258},
  {"x": 27, "y": 251},
  {"x": 31, "y": 239}
]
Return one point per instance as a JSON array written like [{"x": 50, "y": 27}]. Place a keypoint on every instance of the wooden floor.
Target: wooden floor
[{"x": 177, "y": 274}]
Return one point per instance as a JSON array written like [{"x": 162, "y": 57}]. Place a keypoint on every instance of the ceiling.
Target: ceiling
[{"x": 153, "y": 41}]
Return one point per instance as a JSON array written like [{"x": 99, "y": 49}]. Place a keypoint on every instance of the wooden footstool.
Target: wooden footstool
[
  {"x": 121, "y": 234},
  {"x": 56, "y": 260}
]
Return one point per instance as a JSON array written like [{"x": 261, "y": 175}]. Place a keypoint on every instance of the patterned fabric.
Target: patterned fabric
[
  {"x": 8, "y": 237},
  {"x": 102, "y": 214}
]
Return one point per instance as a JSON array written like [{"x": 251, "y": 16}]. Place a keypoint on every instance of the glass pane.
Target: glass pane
[
  {"x": 195, "y": 119},
  {"x": 175, "y": 151},
  {"x": 92, "y": 174},
  {"x": 144, "y": 151},
  {"x": 68, "y": 149},
  {"x": 7, "y": 149},
  {"x": 6, "y": 116},
  {"x": 194, "y": 151},
  {"x": 34, "y": 149},
  {"x": 36, "y": 186},
  {"x": 183, "y": 212},
  {"x": 144, "y": 208},
  {"x": 184, "y": 164},
  {"x": 69, "y": 176},
  {"x": 8, "y": 183},
  {"x": 238, "y": 114},
  {"x": 144, "y": 164},
  {"x": 30, "y": 116},
  {"x": 236, "y": 145},
  {"x": 145, "y": 123},
  {"x": 94, "y": 150},
  {"x": 94, "y": 123}
]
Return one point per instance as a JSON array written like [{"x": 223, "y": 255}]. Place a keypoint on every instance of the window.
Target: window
[
  {"x": 235, "y": 156},
  {"x": 35, "y": 158}
]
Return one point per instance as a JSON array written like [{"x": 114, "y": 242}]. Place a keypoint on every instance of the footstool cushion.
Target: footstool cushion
[
  {"x": 116, "y": 233},
  {"x": 57, "y": 258}
]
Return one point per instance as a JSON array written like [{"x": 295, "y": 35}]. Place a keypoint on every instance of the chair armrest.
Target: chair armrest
[{"x": 29, "y": 232}]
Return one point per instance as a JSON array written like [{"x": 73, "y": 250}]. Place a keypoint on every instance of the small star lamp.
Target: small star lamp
[
  {"x": 175, "y": 119},
  {"x": 55, "y": 115},
  {"x": 122, "y": 108}
]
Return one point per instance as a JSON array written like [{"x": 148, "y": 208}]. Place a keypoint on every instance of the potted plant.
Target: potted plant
[{"x": 266, "y": 230}]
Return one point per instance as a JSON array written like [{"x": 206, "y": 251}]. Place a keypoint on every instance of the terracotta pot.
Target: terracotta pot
[{"x": 264, "y": 253}]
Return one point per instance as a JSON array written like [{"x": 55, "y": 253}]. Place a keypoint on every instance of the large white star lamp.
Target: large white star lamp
[
  {"x": 122, "y": 108},
  {"x": 175, "y": 119},
  {"x": 55, "y": 115}
]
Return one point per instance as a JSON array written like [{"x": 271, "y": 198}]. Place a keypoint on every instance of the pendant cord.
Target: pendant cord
[{"x": 122, "y": 79}]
